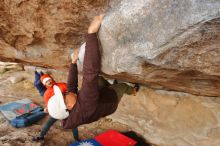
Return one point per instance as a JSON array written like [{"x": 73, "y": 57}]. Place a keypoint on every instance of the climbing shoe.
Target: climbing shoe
[
  {"x": 136, "y": 89},
  {"x": 115, "y": 81},
  {"x": 37, "y": 138}
]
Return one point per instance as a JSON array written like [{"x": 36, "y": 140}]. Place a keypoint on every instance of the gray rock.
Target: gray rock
[
  {"x": 14, "y": 67},
  {"x": 11, "y": 66},
  {"x": 16, "y": 79},
  {"x": 2, "y": 70},
  {"x": 144, "y": 29},
  {"x": 165, "y": 44}
]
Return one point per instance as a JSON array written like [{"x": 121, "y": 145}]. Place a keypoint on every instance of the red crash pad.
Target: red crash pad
[{"x": 114, "y": 138}]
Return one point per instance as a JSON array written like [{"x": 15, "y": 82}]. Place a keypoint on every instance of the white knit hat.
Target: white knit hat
[
  {"x": 56, "y": 106},
  {"x": 45, "y": 80}
]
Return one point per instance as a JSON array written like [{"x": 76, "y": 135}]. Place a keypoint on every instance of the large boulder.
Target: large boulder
[{"x": 164, "y": 44}]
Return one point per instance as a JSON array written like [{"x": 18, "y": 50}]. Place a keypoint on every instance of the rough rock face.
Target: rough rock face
[
  {"x": 167, "y": 44},
  {"x": 169, "y": 33},
  {"x": 41, "y": 32},
  {"x": 172, "y": 118}
]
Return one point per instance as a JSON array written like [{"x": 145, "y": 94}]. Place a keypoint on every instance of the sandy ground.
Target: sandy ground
[{"x": 57, "y": 136}]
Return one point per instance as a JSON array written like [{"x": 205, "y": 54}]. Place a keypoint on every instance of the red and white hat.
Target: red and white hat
[{"x": 44, "y": 78}]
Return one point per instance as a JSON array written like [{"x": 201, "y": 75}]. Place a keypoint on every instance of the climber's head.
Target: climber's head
[{"x": 47, "y": 80}]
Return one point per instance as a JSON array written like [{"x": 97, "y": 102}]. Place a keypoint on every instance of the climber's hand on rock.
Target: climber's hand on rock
[
  {"x": 75, "y": 56},
  {"x": 95, "y": 24}
]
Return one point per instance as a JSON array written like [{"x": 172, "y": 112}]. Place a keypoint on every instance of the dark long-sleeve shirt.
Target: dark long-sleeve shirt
[{"x": 91, "y": 103}]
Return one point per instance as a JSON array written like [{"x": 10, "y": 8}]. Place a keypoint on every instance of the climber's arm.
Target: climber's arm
[{"x": 37, "y": 83}]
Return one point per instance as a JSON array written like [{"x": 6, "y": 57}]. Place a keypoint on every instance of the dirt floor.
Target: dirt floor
[{"x": 57, "y": 136}]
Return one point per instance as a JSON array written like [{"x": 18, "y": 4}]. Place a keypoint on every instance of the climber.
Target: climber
[
  {"x": 96, "y": 97},
  {"x": 44, "y": 84}
]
